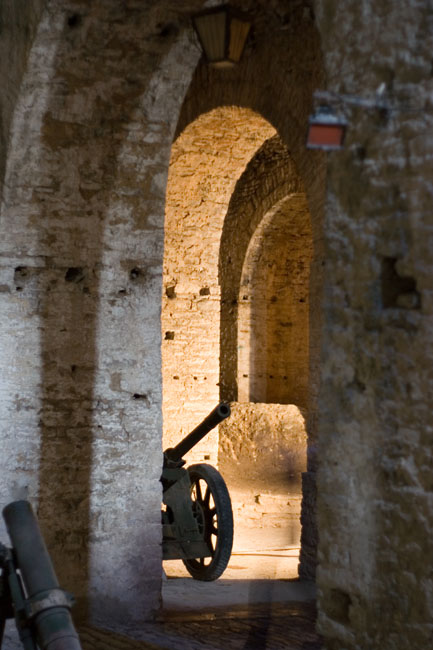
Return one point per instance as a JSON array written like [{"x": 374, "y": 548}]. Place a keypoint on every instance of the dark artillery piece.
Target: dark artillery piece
[
  {"x": 197, "y": 514},
  {"x": 29, "y": 590}
]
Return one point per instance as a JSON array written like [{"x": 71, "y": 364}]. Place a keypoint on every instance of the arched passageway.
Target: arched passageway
[
  {"x": 273, "y": 303},
  {"x": 283, "y": 99},
  {"x": 92, "y": 93},
  {"x": 207, "y": 159},
  {"x": 82, "y": 218},
  {"x": 238, "y": 249},
  {"x": 265, "y": 260}
]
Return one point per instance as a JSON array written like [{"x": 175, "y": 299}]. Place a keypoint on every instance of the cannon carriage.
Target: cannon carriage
[{"x": 197, "y": 515}]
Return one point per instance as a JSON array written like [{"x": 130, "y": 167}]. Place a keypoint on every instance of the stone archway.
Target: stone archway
[
  {"x": 82, "y": 214},
  {"x": 206, "y": 161},
  {"x": 228, "y": 172},
  {"x": 273, "y": 327},
  {"x": 265, "y": 259},
  {"x": 253, "y": 84}
]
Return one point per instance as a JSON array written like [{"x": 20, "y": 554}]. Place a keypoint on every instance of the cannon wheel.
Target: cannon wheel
[{"x": 213, "y": 511}]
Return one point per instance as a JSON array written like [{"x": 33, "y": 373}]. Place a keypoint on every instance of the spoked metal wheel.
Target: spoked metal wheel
[{"x": 213, "y": 511}]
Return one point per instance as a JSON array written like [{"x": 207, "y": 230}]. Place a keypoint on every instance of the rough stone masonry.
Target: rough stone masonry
[{"x": 93, "y": 96}]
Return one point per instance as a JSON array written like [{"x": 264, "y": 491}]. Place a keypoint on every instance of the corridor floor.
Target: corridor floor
[
  {"x": 258, "y": 603},
  {"x": 254, "y": 612},
  {"x": 285, "y": 626}
]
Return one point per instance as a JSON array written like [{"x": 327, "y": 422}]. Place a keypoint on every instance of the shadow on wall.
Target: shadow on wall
[
  {"x": 68, "y": 356},
  {"x": 76, "y": 163}
]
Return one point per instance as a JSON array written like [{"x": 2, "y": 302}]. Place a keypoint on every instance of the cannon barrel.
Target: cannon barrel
[
  {"x": 49, "y": 605},
  {"x": 219, "y": 413}
]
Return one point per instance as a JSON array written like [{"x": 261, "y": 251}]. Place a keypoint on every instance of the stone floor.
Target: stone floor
[
  {"x": 288, "y": 626},
  {"x": 254, "y": 611},
  {"x": 258, "y": 603}
]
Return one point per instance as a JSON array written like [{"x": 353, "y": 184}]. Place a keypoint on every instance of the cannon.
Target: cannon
[
  {"x": 197, "y": 514},
  {"x": 29, "y": 590}
]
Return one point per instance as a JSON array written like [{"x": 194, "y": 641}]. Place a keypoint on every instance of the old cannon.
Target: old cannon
[
  {"x": 197, "y": 514},
  {"x": 29, "y": 590}
]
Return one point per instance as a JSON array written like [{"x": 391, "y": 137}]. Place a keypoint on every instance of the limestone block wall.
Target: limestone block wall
[
  {"x": 81, "y": 267},
  {"x": 375, "y": 488},
  {"x": 262, "y": 456}
]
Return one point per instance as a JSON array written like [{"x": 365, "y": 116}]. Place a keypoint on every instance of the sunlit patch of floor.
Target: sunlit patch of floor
[{"x": 260, "y": 564}]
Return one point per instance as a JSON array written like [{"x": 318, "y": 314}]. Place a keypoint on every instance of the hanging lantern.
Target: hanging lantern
[
  {"x": 326, "y": 130},
  {"x": 222, "y": 32}
]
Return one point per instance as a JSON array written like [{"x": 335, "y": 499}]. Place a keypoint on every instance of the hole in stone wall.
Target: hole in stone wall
[
  {"x": 361, "y": 152},
  {"x": 169, "y": 336},
  {"x": 20, "y": 272},
  {"x": 167, "y": 30},
  {"x": 205, "y": 291},
  {"x": 74, "y": 20},
  {"x": 397, "y": 291},
  {"x": 20, "y": 275},
  {"x": 74, "y": 274},
  {"x": 134, "y": 273},
  {"x": 338, "y": 605},
  {"x": 170, "y": 292}
]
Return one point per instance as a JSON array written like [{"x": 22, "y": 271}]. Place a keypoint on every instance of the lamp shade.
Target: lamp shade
[
  {"x": 326, "y": 130},
  {"x": 222, "y": 32}
]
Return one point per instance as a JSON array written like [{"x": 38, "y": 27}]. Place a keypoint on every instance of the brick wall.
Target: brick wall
[{"x": 206, "y": 161}]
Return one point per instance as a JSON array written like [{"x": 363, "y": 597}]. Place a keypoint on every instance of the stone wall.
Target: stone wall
[
  {"x": 262, "y": 457},
  {"x": 375, "y": 487},
  {"x": 263, "y": 445},
  {"x": 18, "y": 24},
  {"x": 92, "y": 95},
  {"x": 89, "y": 137},
  {"x": 81, "y": 265}
]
